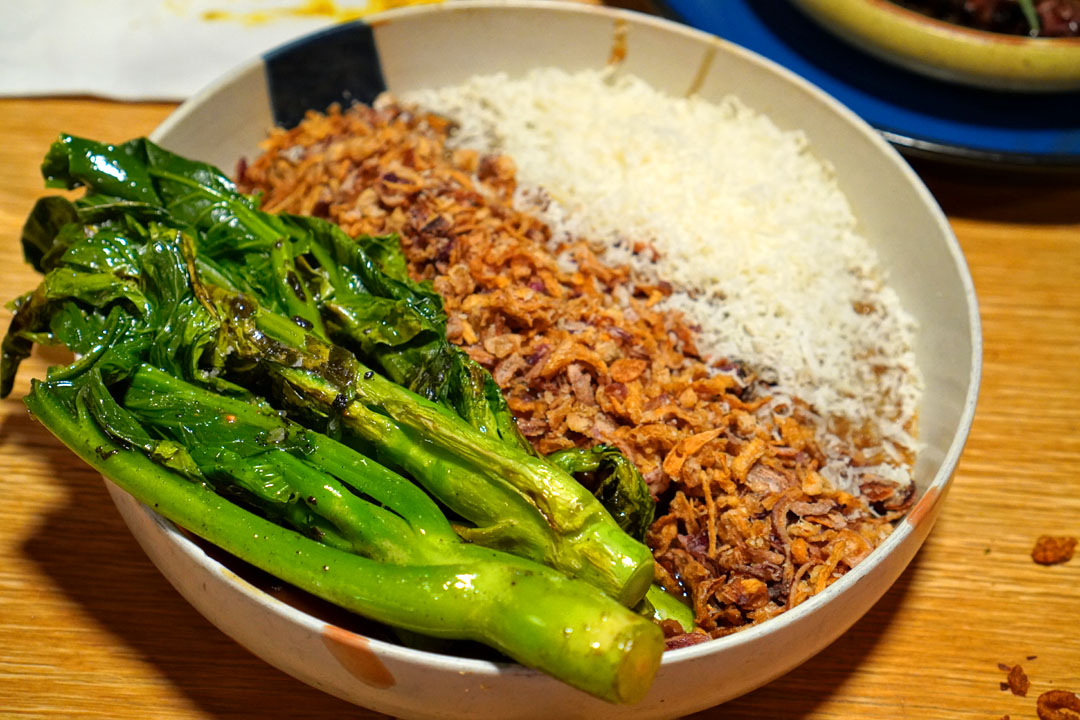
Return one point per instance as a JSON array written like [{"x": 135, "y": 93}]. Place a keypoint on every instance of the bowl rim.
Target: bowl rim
[{"x": 934, "y": 492}]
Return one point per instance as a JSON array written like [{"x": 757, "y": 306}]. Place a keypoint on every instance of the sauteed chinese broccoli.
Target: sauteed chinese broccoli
[{"x": 287, "y": 393}]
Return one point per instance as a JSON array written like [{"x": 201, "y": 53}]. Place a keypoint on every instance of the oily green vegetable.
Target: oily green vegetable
[
  {"x": 301, "y": 267},
  {"x": 273, "y": 372},
  {"x": 571, "y": 630},
  {"x": 360, "y": 287},
  {"x": 516, "y": 502},
  {"x": 618, "y": 484},
  {"x": 395, "y": 325}
]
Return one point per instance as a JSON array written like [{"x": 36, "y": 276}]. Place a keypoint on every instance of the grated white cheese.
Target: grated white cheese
[{"x": 748, "y": 225}]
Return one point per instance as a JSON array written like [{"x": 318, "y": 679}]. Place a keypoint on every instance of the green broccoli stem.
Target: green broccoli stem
[
  {"x": 243, "y": 443},
  {"x": 249, "y": 443},
  {"x": 520, "y": 503},
  {"x": 240, "y": 441},
  {"x": 370, "y": 530},
  {"x": 534, "y": 615}
]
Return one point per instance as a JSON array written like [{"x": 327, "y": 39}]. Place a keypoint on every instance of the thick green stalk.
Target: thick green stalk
[
  {"x": 534, "y": 615},
  {"x": 538, "y": 511},
  {"x": 519, "y": 502},
  {"x": 287, "y": 469},
  {"x": 298, "y": 474}
]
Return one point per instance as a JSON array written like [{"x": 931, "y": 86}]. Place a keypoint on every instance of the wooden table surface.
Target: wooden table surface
[{"x": 89, "y": 629}]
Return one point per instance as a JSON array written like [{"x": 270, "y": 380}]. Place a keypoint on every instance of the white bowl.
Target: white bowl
[{"x": 447, "y": 43}]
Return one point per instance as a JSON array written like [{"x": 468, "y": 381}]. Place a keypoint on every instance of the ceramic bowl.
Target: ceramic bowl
[
  {"x": 951, "y": 52},
  {"x": 409, "y": 48}
]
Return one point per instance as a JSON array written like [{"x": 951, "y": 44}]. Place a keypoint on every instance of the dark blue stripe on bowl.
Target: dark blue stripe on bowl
[{"x": 337, "y": 65}]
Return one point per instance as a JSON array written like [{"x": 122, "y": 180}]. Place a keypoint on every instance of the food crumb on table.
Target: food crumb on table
[
  {"x": 1017, "y": 681},
  {"x": 1051, "y": 550}
]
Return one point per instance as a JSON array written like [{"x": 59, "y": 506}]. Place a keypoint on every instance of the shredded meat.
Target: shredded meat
[{"x": 746, "y": 525}]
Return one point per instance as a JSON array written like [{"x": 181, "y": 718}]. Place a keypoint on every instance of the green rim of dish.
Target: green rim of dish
[{"x": 948, "y": 51}]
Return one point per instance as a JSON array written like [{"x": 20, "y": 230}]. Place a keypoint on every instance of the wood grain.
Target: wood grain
[{"x": 89, "y": 629}]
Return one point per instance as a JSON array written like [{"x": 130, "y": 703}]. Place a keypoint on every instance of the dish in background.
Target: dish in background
[
  {"x": 410, "y": 48},
  {"x": 1034, "y": 18},
  {"x": 951, "y": 52},
  {"x": 922, "y": 116}
]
